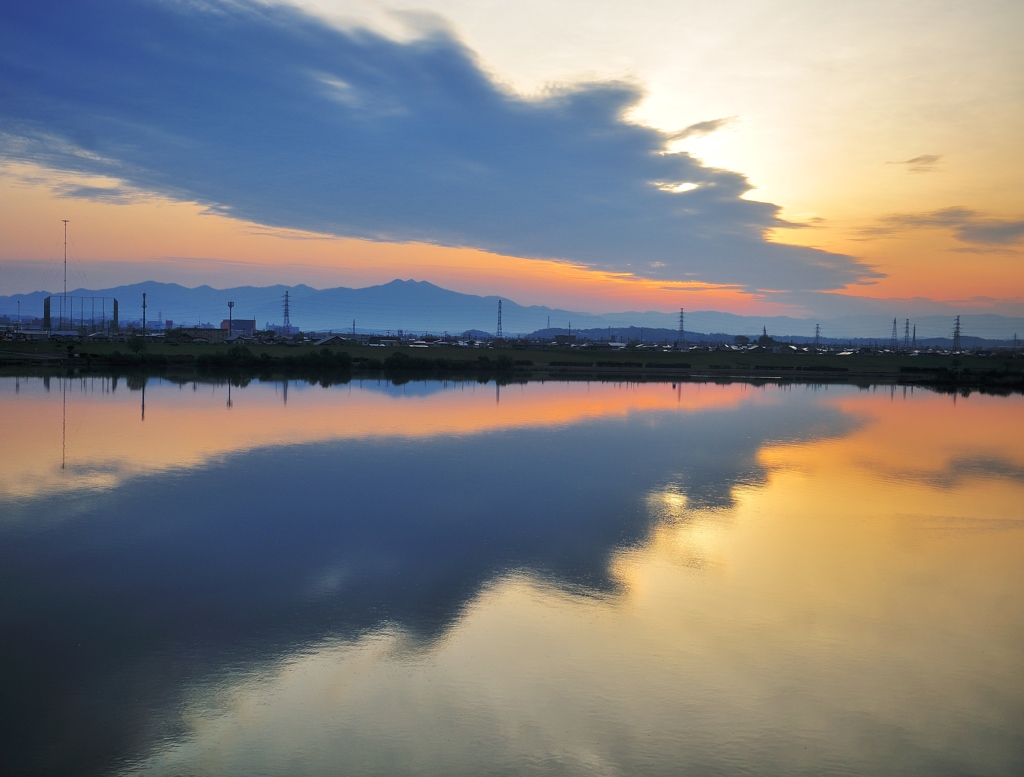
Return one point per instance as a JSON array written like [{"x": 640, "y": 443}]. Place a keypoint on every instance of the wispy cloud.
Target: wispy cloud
[
  {"x": 113, "y": 194},
  {"x": 967, "y": 225},
  {"x": 271, "y": 115},
  {"x": 926, "y": 163},
  {"x": 701, "y": 128}
]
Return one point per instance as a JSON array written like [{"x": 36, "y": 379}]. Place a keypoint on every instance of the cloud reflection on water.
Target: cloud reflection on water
[
  {"x": 188, "y": 425},
  {"x": 556, "y": 591},
  {"x": 816, "y": 625}
]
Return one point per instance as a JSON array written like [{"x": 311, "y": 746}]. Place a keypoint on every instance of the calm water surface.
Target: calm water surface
[{"x": 452, "y": 579}]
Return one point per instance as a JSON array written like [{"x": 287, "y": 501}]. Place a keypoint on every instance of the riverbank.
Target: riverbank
[{"x": 1002, "y": 374}]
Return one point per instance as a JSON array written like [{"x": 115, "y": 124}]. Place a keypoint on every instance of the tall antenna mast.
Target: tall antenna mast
[{"x": 64, "y": 303}]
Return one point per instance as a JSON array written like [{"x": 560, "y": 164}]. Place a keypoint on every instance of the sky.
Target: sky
[{"x": 788, "y": 157}]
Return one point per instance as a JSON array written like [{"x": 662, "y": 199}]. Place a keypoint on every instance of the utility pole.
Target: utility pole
[
  {"x": 64, "y": 302},
  {"x": 231, "y": 306}
]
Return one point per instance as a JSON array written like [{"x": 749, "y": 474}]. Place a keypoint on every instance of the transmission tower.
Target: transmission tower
[
  {"x": 895, "y": 337},
  {"x": 498, "y": 333},
  {"x": 144, "y": 313},
  {"x": 956, "y": 336},
  {"x": 914, "y": 342},
  {"x": 906, "y": 336},
  {"x": 682, "y": 327},
  {"x": 287, "y": 323},
  {"x": 817, "y": 335}
]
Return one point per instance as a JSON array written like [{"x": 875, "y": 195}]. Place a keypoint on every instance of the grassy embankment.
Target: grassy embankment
[{"x": 335, "y": 363}]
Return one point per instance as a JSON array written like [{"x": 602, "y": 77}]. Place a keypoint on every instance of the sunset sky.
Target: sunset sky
[{"x": 787, "y": 157}]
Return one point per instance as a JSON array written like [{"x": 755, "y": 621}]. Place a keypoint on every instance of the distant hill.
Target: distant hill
[{"x": 419, "y": 306}]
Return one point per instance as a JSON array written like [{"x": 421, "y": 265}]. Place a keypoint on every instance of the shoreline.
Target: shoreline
[{"x": 332, "y": 365}]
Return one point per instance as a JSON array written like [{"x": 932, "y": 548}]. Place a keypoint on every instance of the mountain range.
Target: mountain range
[{"x": 420, "y": 306}]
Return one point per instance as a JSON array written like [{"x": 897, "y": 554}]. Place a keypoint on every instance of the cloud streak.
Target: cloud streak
[
  {"x": 969, "y": 226},
  {"x": 701, "y": 128},
  {"x": 926, "y": 163},
  {"x": 268, "y": 114}
]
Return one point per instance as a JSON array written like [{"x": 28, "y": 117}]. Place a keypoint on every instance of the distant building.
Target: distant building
[
  {"x": 565, "y": 339},
  {"x": 197, "y": 334},
  {"x": 239, "y": 325}
]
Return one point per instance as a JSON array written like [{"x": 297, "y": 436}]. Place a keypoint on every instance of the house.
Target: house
[{"x": 332, "y": 340}]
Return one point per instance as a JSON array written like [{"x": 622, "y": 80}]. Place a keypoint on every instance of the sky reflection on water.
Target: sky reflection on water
[{"x": 576, "y": 579}]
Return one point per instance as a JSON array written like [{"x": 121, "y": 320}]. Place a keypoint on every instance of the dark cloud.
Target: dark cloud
[
  {"x": 968, "y": 225},
  {"x": 268, "y": 114},
  {"x": 925, "y": 163}
]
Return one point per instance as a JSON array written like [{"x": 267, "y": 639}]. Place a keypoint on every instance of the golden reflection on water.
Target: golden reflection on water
[
  {"x": 860, "y": 611},
  {"x": 109, "y": 437}
]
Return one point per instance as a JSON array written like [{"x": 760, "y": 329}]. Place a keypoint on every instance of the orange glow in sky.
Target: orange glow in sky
[
  {"x": 853, "y": 120},
  {"x": 157, "y": 238}
]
